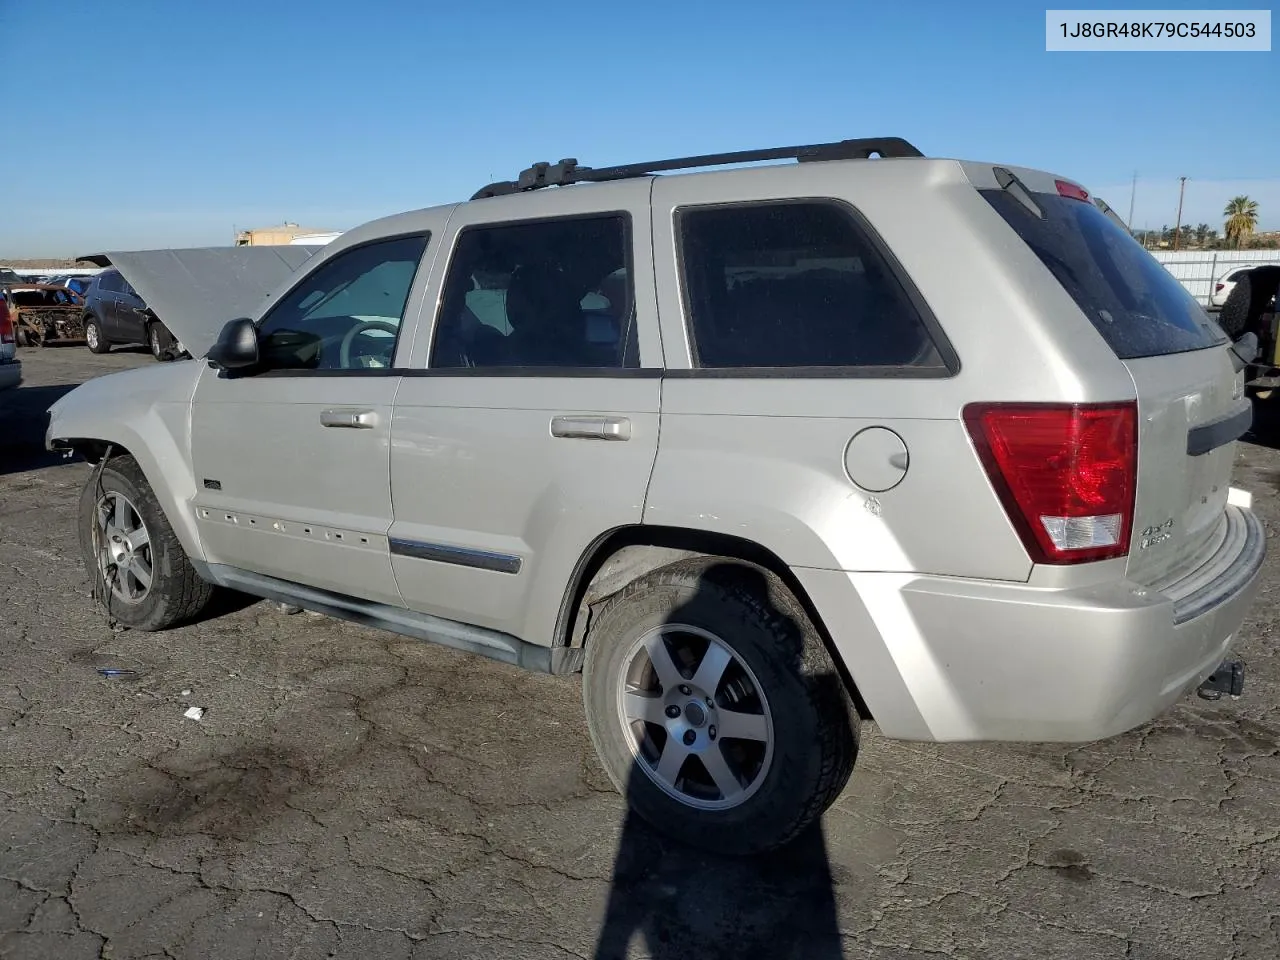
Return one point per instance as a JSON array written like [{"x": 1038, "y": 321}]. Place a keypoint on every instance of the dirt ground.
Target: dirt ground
[{"x": 355, "y": 794}]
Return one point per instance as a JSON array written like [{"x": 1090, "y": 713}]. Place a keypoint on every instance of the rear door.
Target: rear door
[
  {"x": 1191, "y": 404},
  {"x": 529, "y": 424}
]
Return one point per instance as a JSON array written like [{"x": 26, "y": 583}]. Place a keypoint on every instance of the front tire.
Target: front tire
[
  {"x": 93, "y": 337},
  {"x": 715, "y": 707},
  {"x": 140, "y": 572},
  {"x": 158, "y": 350}
]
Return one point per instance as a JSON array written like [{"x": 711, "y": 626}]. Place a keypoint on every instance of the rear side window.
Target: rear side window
[
  {"x": 110, "y": 281},
  {"x": 1134, "y": 302},
  {"x": 795, "y": 284}
]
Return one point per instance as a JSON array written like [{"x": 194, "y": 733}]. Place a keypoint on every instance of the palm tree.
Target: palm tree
[
  {"x": 1242, "y": 218},
  {"x": 1202, "y": 233}
]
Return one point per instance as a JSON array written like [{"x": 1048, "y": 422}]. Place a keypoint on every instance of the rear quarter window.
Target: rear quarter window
[
  {"x": 797, "y": 284},
  {"x": 1133, "y": 302}
]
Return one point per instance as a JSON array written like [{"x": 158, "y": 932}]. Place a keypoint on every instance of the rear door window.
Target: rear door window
[
  {"x": 1134, "y": 302},
  {"x": 795, "y": 284},
  {"x": 553, "y": 293}
]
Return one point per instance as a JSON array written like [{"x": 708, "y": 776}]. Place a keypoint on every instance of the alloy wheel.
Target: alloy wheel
[
  {"x": 123, "y": 547},
  {"x": 695, "y": 717}
]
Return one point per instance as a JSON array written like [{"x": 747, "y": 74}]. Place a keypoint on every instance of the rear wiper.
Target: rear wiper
[{"x": 1010, "y": 183}]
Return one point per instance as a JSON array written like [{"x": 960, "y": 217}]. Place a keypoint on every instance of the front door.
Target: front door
[
  {"x": 528, "y": 425},
  {"x": 108, "y": 293},
  {"x": 291, "y": 459}
]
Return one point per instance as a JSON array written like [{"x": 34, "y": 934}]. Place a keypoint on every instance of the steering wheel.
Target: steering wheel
[{"x": 344, "y": 351}]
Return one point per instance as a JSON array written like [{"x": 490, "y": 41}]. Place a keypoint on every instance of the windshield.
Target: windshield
[
  {"x": 1134, "y": 302},
  {"x": 8, "y": 276}
]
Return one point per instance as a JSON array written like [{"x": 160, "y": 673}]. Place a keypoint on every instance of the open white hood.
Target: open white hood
[{"x": 196, "y": 290}]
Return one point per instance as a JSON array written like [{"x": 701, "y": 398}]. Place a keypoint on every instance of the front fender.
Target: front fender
[{"x": 147, "y": 413}]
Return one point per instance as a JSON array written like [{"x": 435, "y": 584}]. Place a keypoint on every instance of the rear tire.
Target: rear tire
[
  {"x": 1233, "y": 318},
  {"x": 788, "y": 732},
  {"x": 94, "y": 338},
  {"x": 140, "y": 572},
  {"x": 1244, "y": 307}
]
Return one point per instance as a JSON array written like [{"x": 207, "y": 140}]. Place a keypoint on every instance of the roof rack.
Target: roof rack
[{"x": 567, "y": 171}]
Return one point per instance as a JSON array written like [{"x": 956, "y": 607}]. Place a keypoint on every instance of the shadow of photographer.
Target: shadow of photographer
[{"x": 709, "y": 882}]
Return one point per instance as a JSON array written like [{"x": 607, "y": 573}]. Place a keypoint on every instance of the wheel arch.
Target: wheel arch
[
  {"x": 97, "y": 450},
  {"x": 624, "y": 554}
]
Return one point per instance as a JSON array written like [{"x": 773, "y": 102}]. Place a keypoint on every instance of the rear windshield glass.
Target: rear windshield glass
[{"x": 1134, "y": 302}]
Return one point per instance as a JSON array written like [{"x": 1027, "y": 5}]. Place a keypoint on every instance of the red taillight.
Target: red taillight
[
  {"x": 1066, "y": 474},
  {"x": 1066, "y": 189},
  {"x": 1217, "y": 287},
  {"x": 6, "y": 323}
]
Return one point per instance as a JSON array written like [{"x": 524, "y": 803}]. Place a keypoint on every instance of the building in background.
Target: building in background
[{"x": 282, "y": 235}]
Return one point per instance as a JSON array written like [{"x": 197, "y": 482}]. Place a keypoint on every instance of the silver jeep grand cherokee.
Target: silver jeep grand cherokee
[{"x": 762, "y": 451}]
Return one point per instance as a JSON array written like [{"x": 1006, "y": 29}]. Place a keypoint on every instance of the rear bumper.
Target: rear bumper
[
  {"x": 10, "y": 373},
  {"x": 938, "y": 658}
]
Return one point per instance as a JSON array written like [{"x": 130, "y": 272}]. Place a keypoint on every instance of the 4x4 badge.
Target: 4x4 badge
[{"x": 1157, "y": 533}]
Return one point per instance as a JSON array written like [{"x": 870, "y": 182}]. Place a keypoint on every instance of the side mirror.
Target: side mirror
[
  {"x": 237, "y": 345},
  {"x": 1245, "y": 350}
]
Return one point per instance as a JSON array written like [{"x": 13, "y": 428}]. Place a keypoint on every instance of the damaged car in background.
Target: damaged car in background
[{"x": 43, "y": 313}]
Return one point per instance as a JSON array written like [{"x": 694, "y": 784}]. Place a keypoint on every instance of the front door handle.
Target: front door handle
[
  {"x": 346, "y": 417},
  {"x": 591, "y": 428}
]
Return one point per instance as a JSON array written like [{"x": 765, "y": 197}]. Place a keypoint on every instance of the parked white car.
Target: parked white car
[{"x": 1226, "y": 282}]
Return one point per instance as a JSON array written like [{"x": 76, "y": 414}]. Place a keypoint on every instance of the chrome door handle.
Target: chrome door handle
[
  {"x": 353, "y": 419},
  {"x": 591, "y": 428}
]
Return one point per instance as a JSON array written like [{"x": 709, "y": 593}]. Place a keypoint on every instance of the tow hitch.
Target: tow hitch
[{"x": 1228, "y": 679}]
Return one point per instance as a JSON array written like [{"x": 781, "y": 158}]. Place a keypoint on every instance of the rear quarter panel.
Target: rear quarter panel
[{"x": 763, "y": 458}]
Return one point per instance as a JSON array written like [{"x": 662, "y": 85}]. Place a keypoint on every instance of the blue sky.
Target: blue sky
[{"x": 178, "y": 121}]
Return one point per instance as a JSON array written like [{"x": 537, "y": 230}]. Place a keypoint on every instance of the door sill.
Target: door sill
[{"x": 408, "y": 623}]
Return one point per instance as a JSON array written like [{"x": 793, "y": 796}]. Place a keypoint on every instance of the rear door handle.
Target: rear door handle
[
  {"x": 352, "y": 419},
  {"x": 591, "y": 428}
]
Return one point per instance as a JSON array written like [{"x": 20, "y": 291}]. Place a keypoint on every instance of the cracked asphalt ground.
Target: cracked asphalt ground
[{"x": 354, "y": 794}]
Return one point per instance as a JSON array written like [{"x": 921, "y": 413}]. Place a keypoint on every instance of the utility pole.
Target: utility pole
[
  {"x": 1133, "y": 192},
  {"x": 1178, "y": 228}
]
